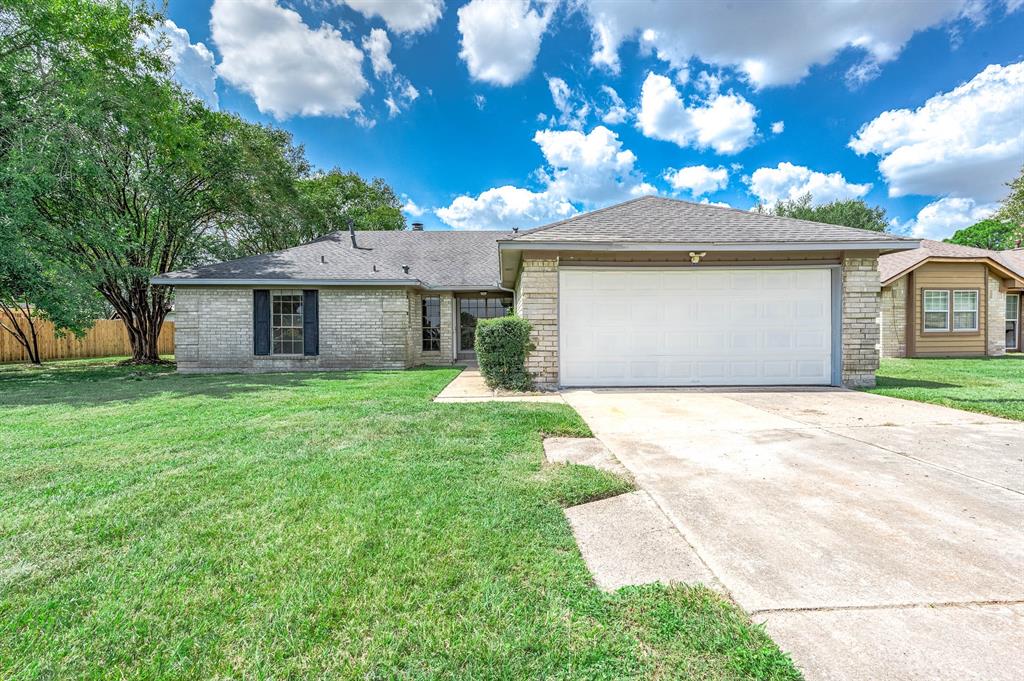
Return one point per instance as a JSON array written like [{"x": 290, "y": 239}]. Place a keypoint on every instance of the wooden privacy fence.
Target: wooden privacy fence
[{"x": 106, "y": 338}]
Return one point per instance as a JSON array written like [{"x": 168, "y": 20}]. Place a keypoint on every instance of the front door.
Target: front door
[{"x": 470, "y": 310}]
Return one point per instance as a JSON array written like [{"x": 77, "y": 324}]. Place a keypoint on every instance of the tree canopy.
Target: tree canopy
[
  {"x": 1002, "y": 231},
  {"x": 848, "y": 212},
  {"x": 111, "y": 173}
]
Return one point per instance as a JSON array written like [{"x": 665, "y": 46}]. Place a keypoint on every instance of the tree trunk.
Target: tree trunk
[
  {"x": 29, "y": 341},
  {"x": 142, "y": 310}
]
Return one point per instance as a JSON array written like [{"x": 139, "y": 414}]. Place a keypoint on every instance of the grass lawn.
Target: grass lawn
[
  {"x": 316, "y": 525},
  {"x": 989, "y": 385}
]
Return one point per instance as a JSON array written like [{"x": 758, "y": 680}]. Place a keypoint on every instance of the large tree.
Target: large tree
[
  {"x": 993, "y": 234},
  {"x": 848, "y": 212}
]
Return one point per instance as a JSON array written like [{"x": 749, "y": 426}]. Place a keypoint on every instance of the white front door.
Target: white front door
[{"x": 699, "y": 326}]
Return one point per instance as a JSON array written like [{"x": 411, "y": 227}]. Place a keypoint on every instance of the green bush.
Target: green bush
[{"x": 501, "y": 346}]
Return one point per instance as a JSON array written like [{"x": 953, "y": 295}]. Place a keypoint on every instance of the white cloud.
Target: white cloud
[
  {"x": 287, "y": 67},
  {"x": 589, "y": 170},
  {"x": 778, "y": 127},
  {"x": 193, "y": 63},
  {"x": 480, "y": 101},
  {"x": 940, "y": 219},
  {"x": 378, "y": 46},
  {"x": 698, "y": 180},
  {"x": 787, "y": 182},
  {"x": 592, "y": 169},
  {"x": 504, "y": 208},
  {"x": 724, "y": 123},
  {"x": 411, "y": 209},
  {"x": 501, "y": 38},
  {"x": 401, "y": 16},
  {"x": 616, "y": 112},
  {"x": 966, "y": 142},
  {"x": 572, "y": 109},
  {"x": 770, "y": 43}
]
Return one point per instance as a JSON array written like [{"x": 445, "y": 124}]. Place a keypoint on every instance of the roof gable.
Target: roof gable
[
  {"x": 894, "y": 265},
  {"x": 656, "y": 219}
]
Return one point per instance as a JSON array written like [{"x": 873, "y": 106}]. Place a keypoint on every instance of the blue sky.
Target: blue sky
[{"x": 499, "y": 113}]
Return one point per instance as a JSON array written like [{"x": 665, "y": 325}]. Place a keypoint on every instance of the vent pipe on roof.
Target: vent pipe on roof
[
  {"x": 405, "y": 268},
  {"x": 352, "y": 232},
  {"x": 417, "y": 226}
]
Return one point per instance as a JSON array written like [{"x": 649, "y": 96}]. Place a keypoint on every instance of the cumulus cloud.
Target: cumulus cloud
[
  {"x": 193, "y": 63},
  {"x": 723, "y": 122},
  {"x": 616, "y": 112},
  {"x": 411, "y": 209},
  {"x": 588, "y": 170},
  {"x": 940, "y": 219},
  {"x": 573, "y": 110},
  {"x": 769, "y": 43},
  {"x": 287, "y": 67},
  {"x": 966, "y": 142},
  {"x": 698, "y": 180},
  {"x": 504, "y": 208},
  {"x": 778, "y": 127},
  {"x": 401, "y": 16},
  {"x": 787, "y": 182},
  {"x": 378, "y": 46},
  {"x": 501, "y": 38}
]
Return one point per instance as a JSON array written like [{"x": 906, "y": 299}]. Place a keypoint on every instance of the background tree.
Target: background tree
[
  {"x": 992, "y": 234},
  {"x": 1011, "y": 209},
  {"x": 848, "y": 212}
]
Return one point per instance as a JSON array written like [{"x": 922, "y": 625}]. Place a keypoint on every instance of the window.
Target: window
[
  {"x": 1012, "y": 320},
  {"x": 965, "y": 310},
  {"x": 472, "y": 309},
  {"x": 286, "y": 322},
  {"x": 431, "y": 324},
  {"x": 936, "y": 310}
]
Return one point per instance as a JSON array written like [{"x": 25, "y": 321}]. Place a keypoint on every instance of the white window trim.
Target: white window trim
[
  {"x": 925, "y": 311},
  {"x": 274, "y": 293},
  {"x": 976, "y": 311},
  {"x": 1015, "y": 320}
]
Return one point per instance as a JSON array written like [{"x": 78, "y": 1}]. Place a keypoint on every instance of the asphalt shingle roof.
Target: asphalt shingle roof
[
  {"x": 656, "y": 219},
  {"x": 436, "y": 259},
  {"x": 892, "y": 264}
]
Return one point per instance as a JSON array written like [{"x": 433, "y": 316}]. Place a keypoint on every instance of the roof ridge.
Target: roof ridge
[{"x": 534, "y": 230}]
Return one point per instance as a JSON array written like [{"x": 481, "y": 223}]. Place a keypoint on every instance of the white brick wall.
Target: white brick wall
[
  {"x": 359, "y": 328},
  {"x": 893, "y": 319},
  {"x": 995, "y": 326},
  {"x": 537, "y": 301},
  {"x": 444, "y": 357}
]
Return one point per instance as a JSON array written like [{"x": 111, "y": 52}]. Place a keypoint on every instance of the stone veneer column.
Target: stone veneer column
[
  {"x": 861, "y": 332},
  {"x": 893, "y": 319},
  {"x": 995, "y": 323},
  {"x": 537, "y": 301}
]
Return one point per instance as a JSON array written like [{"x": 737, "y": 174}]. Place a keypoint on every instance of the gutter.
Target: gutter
[
  {"x": 175, "y": 281},
  {"x": 882, "y": 245}
]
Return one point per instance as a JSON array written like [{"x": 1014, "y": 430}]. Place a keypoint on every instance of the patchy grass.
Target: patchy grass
[
  {"x": 337, "y": 525},
  {"x": 993, "y": 385}
]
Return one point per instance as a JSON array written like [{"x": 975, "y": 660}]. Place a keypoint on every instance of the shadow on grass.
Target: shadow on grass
[
  {"x": 93, "y": 384},
  {"x": 886, "y": 382}
]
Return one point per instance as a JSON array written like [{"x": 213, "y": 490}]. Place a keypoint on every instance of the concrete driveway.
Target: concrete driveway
[{"x": 877, "y": 538}]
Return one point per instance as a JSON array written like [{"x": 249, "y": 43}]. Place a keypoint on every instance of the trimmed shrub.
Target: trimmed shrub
[{"x": 501, "y": 346}]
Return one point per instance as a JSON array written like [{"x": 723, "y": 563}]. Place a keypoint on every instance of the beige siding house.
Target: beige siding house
[
  {"x": 650, "y": 292},
  {"x": 945, "y": 300}
]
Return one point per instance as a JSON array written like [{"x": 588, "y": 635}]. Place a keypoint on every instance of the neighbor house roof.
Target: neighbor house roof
[
  {"x": 444, "y": 260},
  {"x": 893, "y": 265},
  {"x": 660, "y": 220}
]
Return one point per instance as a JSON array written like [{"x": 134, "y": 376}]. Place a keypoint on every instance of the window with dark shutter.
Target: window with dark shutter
[
  {"x": 311, "y": 322},
  {"x": 261, "y": 322}
]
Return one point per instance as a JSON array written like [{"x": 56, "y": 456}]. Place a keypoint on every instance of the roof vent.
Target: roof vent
[
  {"x": 417, "y": 226},
  {"x": 405, "y": 268},
  {"x": 515, "y": 230},
  {"x": 323, "y": 259}
]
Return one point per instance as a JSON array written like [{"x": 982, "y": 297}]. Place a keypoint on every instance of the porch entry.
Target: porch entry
[{"x": 470, "y": 309}]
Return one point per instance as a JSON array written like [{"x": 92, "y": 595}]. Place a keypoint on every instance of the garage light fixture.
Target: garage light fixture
[{"x": 695, "y": 257}]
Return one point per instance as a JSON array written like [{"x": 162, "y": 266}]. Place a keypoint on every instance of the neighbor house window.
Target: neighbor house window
[
  {"x": 965, "y": 310},
  {"x": 431, "y": 324},
  {"x": 1012, "y": 320},
  {"x": 936, "y": 310},
  {"x": 286, "y": 322}
]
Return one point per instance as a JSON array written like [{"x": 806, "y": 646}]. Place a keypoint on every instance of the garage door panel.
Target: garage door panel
[{"x": 695, "y": 327}]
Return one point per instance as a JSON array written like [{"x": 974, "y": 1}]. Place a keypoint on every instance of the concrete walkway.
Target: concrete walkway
[
  {"x": 877, "y": 538},
  {"x": 469, "y": 386}
]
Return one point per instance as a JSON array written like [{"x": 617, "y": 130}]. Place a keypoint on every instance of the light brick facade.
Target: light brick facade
[
  {"x": 443, "y": 357},
  {"x": 893, "y": 319},
  {"x": 861, "y": 332},
  {"x": 537, "y": 301},
  {"x": 360, "y": 328},
  {"x": 995, "y": 327}
]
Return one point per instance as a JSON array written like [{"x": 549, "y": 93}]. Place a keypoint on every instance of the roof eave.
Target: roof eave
[
  {"x": 991, "y": 262},
  {"x": 201, "y": 281}
]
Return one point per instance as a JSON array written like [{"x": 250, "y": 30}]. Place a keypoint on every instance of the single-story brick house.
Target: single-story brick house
[
  {"x": 946, "y": 300},
  {"x": 650, "y": 292}
]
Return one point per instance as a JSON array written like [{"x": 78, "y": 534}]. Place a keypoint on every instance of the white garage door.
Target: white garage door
[{"x": 701, "y": 326}]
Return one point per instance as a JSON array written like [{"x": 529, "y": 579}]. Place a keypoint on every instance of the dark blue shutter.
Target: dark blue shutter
[
  {"x": 261, "y": 322},
  {"x": 310, "y": 322}
]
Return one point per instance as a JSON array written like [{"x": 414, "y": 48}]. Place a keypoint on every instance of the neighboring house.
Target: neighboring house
[
  {"x": 945, "y": 300},
  {"x": 649, "y": 292}
]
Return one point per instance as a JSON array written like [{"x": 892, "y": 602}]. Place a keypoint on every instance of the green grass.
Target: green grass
[
  {"x": 989, "y": 385},
  {"x": 338, "y": 525}
]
